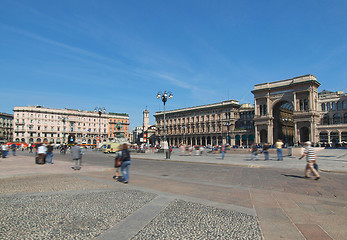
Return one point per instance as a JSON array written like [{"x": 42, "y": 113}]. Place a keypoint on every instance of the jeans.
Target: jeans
[
  {"x": 49, "y": 157},
  {"x": 223, "y": 153},
  {"x": 254, "y": 154},
  {"x": 77, "y": 164},
  {"x": 279, "y": 154},
  {"x": 125, "y": 170},
  {"x": 266, "y": 154}
]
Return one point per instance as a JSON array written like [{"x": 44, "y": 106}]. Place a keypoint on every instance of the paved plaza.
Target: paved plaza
[{"x": 186, "y": 197}]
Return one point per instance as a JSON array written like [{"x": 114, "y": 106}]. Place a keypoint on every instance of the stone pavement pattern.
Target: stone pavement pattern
[{"x": 175, "y": 202}]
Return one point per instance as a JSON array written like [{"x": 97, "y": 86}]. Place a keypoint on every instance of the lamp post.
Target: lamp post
[
  {"x": 228, "y": 128},
  {"x": 164, "y": 97},
  {"x": 184, "y": 134},
  {"x": 99, "y": 110},
  {"x": 64, "y": 119}
]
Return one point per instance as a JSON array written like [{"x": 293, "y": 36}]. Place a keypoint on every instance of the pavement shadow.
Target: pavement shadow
[{"x": 293, "y": 176}]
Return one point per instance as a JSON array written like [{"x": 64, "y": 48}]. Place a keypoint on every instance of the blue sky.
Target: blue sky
[{"x": 119, "y": 54}]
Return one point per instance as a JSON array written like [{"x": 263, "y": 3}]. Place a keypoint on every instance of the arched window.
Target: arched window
[
  {"x": 328, "y": 106},
  {"x": 305, "y": 104},
  {"x": 339, "y": 105},
  {"x": 301, "y": 103},
  {"x": 323, "y": 106},
  {"x": 336, "y": 118},
  {"x": 333, "y": 106},
  {"x": 344, "y": 104}
]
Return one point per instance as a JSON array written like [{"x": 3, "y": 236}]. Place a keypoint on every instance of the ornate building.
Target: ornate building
[
  {"x": 6, "y": 127},
  {"x": 37, "y": 124},
  {"x": 118, "y": 126},
  {"x": 332, "y": 127},
  {"x": 294, "y": 111},
  {"x": 224, "y": 122}
]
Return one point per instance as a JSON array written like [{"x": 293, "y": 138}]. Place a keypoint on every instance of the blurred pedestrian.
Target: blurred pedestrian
[
  {"x": 76, "y": 153},
  {"x": 13, "y": 148},
  {"x": 279, "y": 145},
  {"x": 125, "y": 162},
  {"x": 266, "y": 151},
  {"x": 49, "y": 155},
  {"x": 183, "y": 149},
  {"x": 41, "y": 154},
  {"x": 223, "y": 150},
  {"x": 254, "y": 151},
  {"x": 4, "y": 150},
  {"x": 201, "y": 150},
  {"x": 311, "y": 159},
  {"x": 118, "y": 163}
]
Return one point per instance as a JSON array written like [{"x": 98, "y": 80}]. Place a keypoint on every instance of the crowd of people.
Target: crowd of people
[{"x": 44, "y": 154}]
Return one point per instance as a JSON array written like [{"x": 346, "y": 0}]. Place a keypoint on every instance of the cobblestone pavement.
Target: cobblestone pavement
[{"x": 169, "y": 200}]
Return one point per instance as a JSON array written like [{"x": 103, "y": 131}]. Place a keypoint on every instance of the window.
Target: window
[
  {"x": 344, "y": 104},
  {"x": 326, "y": 119},
  {"x": 323, "y": 106},
  {"x": 328, "y": 106},
  {"x": 336, "y": 118},
  {"x": 333, "y": 106},
  {"x": 339, "y": 105},
  {"x": 305, "y": 104},
  {"x": 345, "y": 118}
]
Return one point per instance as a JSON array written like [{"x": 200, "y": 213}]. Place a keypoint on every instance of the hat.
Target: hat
[{"x": 308, "y": 143}]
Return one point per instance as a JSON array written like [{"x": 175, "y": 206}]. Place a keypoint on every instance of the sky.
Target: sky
[{"x": 82, "y": 54}]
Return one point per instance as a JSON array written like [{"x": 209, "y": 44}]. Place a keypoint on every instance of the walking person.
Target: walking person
[
  {"x": 4, "y": 150},
  {"x": 13, "y": 148},
  {"x": 223, "y": 150},
  {"x": 41, "y": 154},
  {"x": 49, "y": 155},
  {"x": 311, "y": 159},
  {"x": 125, "y": 163},
  {"x": 118, "y": 163},
  {"x": 279, "y": 145},
  {"x": 266, "y": 151},
  {"x": 254, "y": 152},
  {"x": 76, "y": 153}
]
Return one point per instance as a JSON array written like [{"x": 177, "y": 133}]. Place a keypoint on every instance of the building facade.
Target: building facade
[
  {"x": 38, "y": 124},
  {"x": 218, "y": 123},
  {"x": 118, "y": 126},
  {"x": 293, "y": 110},
  {"x": 6, "y": 127},
  {"x": 332, "y": 127}
]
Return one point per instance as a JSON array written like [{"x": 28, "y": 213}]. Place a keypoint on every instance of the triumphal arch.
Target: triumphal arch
[{"x": 287, "y": 110}]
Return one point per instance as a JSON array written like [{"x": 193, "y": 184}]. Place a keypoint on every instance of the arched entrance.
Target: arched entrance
[
  {"x": 283, "y": 122},
  {"x": 283, "y": 108},
  {"x": 304, "y": 134},
  {"x": 263, "y": 136}
]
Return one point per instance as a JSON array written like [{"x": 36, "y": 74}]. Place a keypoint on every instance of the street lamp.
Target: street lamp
[
  {"x": 64, "y": 119},
  {"x": 228, "y": 128},
  {"x": 184, "y": 134},
  {"x": 99, "y": 110},
  {"x": 164, "y": 97}
]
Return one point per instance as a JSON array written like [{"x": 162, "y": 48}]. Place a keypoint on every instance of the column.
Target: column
[
  {"x": 294, "y": 100},
  {"x": 329, "y": 137},
  {"x": 256, "y": 135},
  {"x": 295, "y": 133},
  {"x": 310, "y": 103},
  {"x": 268, "y": 105}
]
